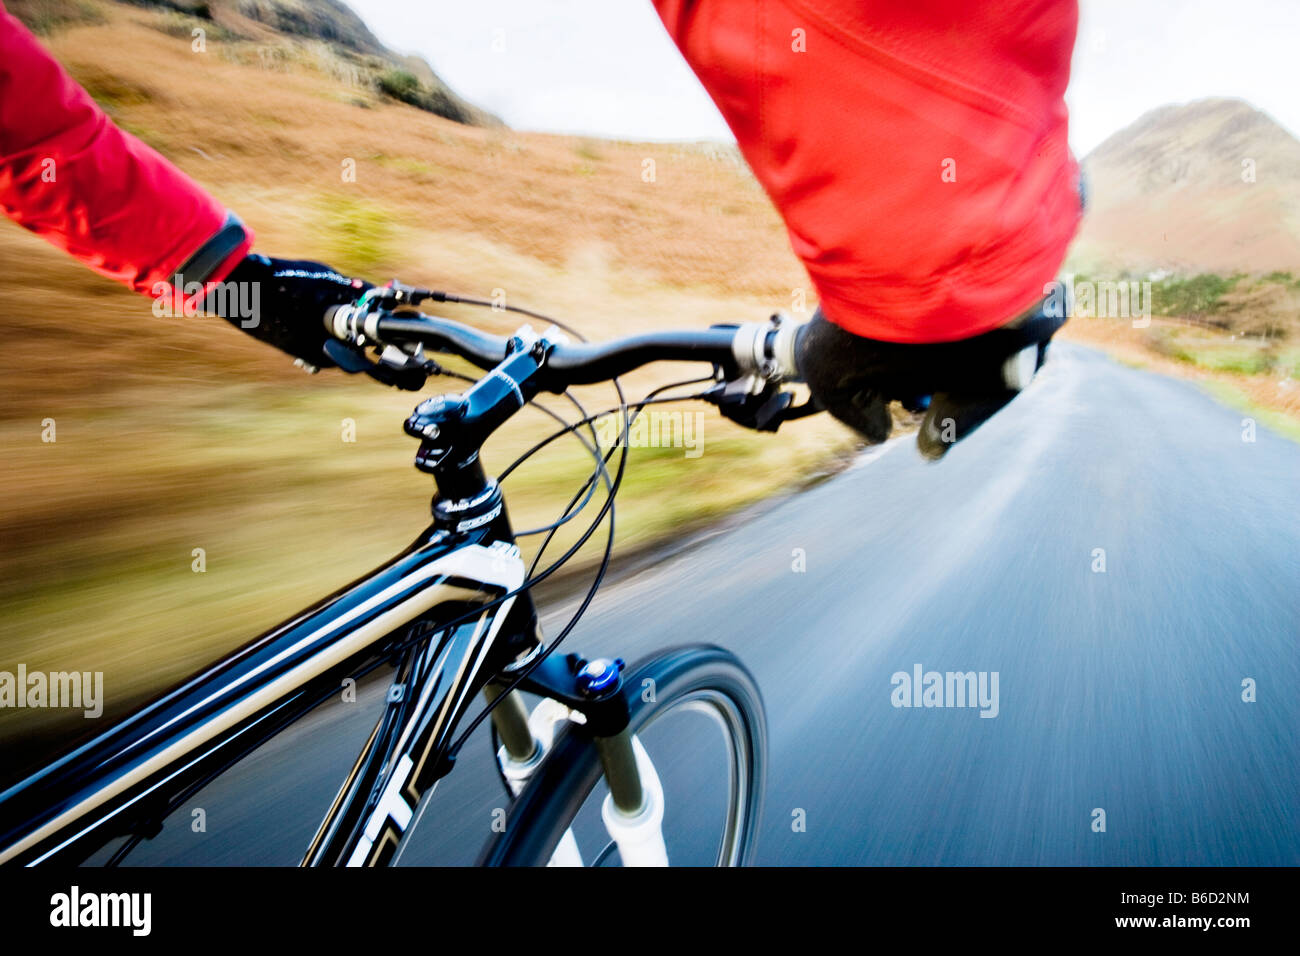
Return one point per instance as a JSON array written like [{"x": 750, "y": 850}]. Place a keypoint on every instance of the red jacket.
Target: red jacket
[
  {"x": 916, "y": 149},
  {"x": 71, "y": 176}
]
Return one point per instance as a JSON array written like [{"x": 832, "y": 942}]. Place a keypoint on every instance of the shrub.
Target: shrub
[
  {"x": 1196, "y": 296},
  {"x": 401, "y": 85},
  {"x": 404, "y": 86}
]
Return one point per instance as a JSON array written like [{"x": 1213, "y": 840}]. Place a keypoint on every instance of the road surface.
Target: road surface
[{"x": 1119, "y": 690}]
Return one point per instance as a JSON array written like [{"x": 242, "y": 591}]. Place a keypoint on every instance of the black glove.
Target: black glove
[
  {"x": 959, "y": 385},
  {"x": 288, "y": 300}
]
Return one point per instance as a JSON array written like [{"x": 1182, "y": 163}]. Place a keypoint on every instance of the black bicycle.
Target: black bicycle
[{"x": 454, "y": 616}]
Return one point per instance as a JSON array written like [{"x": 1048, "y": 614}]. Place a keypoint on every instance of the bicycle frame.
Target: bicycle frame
[
  {"x": 129, "y": 777},
  {"x": 450, "y": 611}
]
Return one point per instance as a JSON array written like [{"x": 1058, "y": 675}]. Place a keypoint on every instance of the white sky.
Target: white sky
[{"x": 607, "y": 67}]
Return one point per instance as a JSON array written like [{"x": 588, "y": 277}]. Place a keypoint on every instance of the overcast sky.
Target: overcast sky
[{"x": 607, "y": 67}]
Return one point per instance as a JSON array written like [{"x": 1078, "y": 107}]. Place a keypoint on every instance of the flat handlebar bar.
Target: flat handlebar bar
[
  {"x": 576, "y": 363},
  {"x": 750, "y": 360},
  {"x": 441, "y": 335},
  {"x": 752, "y": 348}
]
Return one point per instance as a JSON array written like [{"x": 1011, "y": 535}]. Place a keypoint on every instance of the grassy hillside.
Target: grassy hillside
[
  {"x": 177, "y": 434},
  {"x": 1238, "y": 334},
  {"x": 332, "y": 33}
]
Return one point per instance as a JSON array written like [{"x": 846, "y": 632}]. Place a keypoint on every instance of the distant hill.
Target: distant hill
[
  {"x": 1171, "y": 192},
  {"x": 403, "y": 77},
  {"x": 326, "y": 20}
]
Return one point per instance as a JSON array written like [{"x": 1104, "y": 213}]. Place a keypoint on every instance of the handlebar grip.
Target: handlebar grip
[{"x": 330, "y": 316}]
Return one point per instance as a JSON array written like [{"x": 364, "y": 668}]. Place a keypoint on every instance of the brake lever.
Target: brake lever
[
  {"x": 410, "y": 376},
  {"x": 764, "y": 411}
]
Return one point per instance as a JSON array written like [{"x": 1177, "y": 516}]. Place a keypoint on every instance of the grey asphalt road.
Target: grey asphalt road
[{"x": 1118, "y": 690}]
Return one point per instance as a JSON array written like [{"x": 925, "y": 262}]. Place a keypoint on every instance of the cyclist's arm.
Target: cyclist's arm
[
  {"x": 917, "y": 151},
  {"x": 71, "y": 176}
]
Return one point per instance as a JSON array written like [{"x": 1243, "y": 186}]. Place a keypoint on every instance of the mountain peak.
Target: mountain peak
[
  {"x": 1207, "y": 186},
  {"x": 1222, "y": 125}
]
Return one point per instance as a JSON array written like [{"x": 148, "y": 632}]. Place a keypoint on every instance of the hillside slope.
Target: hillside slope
[
  {"x": 1208, "y": 186},
  {"x": 279, "y": 30}
]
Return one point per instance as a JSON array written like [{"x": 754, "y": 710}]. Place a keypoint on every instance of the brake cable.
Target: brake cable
[{"x": 414, "y": 296}]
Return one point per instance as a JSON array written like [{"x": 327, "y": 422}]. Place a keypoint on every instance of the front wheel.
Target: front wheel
[{"x": 712, "y": 806}]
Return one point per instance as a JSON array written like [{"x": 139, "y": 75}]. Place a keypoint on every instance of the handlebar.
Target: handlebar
[
  {"x": 439, "y": 335},
  {"x": 575, "y": 363},
  {"x": 751, "y": 360},
  {"x": 751, "y": 349}
]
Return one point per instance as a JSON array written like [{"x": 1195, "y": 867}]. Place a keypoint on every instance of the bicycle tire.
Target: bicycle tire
[{"x": 543, "y": 811}]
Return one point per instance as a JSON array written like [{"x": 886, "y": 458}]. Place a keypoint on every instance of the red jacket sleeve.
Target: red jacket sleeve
[
  {"x": 71, "y": 176},
  {"x": 916, "y": 150}
]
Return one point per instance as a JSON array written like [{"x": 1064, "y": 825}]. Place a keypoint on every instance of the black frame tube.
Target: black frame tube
[{"x": 123, "y": 780}]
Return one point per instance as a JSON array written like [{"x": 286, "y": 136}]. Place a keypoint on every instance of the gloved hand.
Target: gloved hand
[
  {"x": 959, "y": 385},
  {"x": 289, "y": 299}
]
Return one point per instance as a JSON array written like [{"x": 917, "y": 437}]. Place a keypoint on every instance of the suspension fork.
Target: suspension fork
[
  {"x": 633, "y": 811},
  {"x": 634, "y": 808}
]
